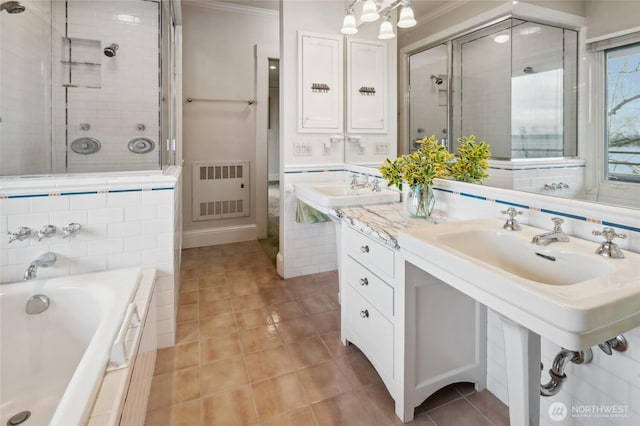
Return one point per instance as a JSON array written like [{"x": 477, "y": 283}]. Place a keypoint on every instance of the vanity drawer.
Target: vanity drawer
[
  {"x": 374, "y": 332},
  {"x": 370, "y": 253},
  {"x": 369, "y": 286}
]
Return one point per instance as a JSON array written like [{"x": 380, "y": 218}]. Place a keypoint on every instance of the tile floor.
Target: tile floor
[{"x": 254, "y": 349}]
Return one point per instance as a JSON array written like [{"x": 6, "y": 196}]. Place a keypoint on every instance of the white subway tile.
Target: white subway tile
[
  {"x": 123, "y": 260},
  {"x": 108, "y": 215},
  {"x": 125, "y": 229},
  {"x": 49, "y": 204},
  {"x": 104, "y": 247},
  {"x": 140, "y": 243},
  {"x": 88, "y": 201},
  {"x": 10, "y": 206},
  {"x": 124, "y": 199}
]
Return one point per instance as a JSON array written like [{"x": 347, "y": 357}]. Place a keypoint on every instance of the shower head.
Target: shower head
[
  {"x": 12, "y": 7},
  {"x": 436, "y": 80},
  {"x": 110, "y": 51}
]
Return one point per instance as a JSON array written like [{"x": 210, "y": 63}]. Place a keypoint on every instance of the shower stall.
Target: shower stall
[
  {"x": 84, "y": 86},
  {"x": 514, "y": 84}
]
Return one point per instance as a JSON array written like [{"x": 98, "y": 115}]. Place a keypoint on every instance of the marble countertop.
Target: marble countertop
[{"x": 383, "y": 221}]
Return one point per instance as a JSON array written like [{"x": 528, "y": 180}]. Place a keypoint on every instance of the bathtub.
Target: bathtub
[{"x": 52, "y": 363}]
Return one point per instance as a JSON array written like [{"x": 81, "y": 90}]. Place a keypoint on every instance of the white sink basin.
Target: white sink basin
[
  {"x": 511, "y": 253},
  {"x": 577, "y": 300},
  {"x": 325, "y": 196}
]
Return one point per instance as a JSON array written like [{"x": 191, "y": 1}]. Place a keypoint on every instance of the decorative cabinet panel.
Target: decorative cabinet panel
[
  {"x": 320, "y": 94},
  {"x": 366, "y": 86}
]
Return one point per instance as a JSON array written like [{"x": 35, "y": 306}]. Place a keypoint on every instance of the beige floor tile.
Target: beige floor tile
[
  {"x": 188, "y": 285},
  {"x": 221, "y": 346},
  {"x": 278, "y": 395},
  {"x": 379, "y": 403},
  {"x": 185, "y": 414},
  {"x": 358, "y": 370},
  {"x": 253, "y": 318},
  {"x": 188, "y": 273},
  {"x": 174, "y": 387},
  {"x": 274, "y": 296},
  {"x": 187, "y": 313},
  {"x": 301, "y": 417},
  {"x": 247, "y": 302},
  {"x": 259, "y": 339},
  {"x": 234, "y": 407},
  {"x": 296, "y": 329},
  {"x": 307, "y": 352},
  {"x": 322, "y": 381},
  {"x": 187, "y": 298},
  {"x": 441, "y": 397},
  {"x": 215, "y": 325},
  {"x": 176, "y": 357},
  {"x": 326, "y": 321},
  {"x": 345, "y": 409},
  {"x": 268, "y": 363},
  {"x": 491, "y": 407},
  {"x": 337, "y": 349},
  {"x": 214, "y": 308},
  {"x": 242, "y": 287},
  {"x": 458, "y": 413},
  {"x": 210, "y": 294},
  {"x": 465, "y": 388},
  {"x": 320, "y": 302},
  {"x": 210, "y": 271},
  {"x": 223, "y": 375},
  {"x": 286, "y": 311},
  {"x": 186, "y": 332}
]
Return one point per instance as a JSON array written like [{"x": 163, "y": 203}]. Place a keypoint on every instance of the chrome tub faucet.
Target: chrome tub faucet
[{"x": 44, "y": 261}]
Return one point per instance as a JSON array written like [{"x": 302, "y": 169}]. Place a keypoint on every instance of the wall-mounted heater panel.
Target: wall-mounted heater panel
[{"x": 220, "y": 190}]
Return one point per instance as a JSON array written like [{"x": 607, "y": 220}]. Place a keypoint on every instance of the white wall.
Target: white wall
[
  {"x": 25, "y": 91},
  {"x": 606, "y": 17},
  {"x": 127, "y": 220},
  {"x": 219, "y": 63}
]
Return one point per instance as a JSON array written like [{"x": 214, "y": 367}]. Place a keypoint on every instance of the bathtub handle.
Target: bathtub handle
[{"x": 119, "y": 359}]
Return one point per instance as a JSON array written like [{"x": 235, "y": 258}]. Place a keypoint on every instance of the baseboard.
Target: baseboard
[{"x": 216, "y": 236}]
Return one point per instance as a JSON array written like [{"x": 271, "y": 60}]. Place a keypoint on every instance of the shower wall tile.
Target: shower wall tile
[{"x": 137, "y": 227}]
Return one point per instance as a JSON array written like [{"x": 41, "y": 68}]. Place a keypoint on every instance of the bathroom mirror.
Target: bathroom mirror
[{"x": 79, "y": 83}]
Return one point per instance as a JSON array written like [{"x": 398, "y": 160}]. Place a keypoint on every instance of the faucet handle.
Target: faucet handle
[
  {"x": 557, "y": 224},
  {"x": 511, "y": 224},
  {"x": 375, "y": 185},
  {"x": 71, "y": 229},
  {"x": 47, "y": 231},
  {"x": 19, "y": 234},
  {"x": 609, "y": 248}
]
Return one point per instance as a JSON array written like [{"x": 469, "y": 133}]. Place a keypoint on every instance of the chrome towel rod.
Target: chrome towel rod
[{"x": 250, "y": 102}]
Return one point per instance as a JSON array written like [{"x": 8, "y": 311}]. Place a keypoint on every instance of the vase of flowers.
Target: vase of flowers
[
  {"x": 430, "y": 161},
  {"x": 418, "y": 170}
]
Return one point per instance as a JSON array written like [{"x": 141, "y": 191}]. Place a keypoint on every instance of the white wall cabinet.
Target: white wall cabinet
[
  {"x": 419, "y": 333},
  {"x": 366, "y": 86},
  {"x": 320, "y": 77}
]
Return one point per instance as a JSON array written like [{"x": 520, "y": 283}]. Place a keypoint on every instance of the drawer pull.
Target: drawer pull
[
  {"x": 364, "y": 281},
  {"x": 364, "y": 314},
  {"x": 364, "y": 249}
]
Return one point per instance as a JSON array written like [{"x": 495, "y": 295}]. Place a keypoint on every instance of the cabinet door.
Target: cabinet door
[
  {"x": 366, "y": 91},
  {"x": 320, "y": 91}
]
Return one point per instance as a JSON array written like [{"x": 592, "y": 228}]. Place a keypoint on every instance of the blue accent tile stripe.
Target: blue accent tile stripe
[
  {"x": 572, "y": 216},
  {"x": 162, "y": 189},
  {"x": 443, "y": 190},
  {"x": 509, "y": 203},
  {"x": 79, "y": 193},
  {"x": 115, "y": 191},
  {"x": 478, "y": 197},
  {"x": 28, "y": 196},
  {"x": 619, "y": 225}
]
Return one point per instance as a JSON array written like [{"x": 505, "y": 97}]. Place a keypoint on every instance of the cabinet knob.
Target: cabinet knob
[
  {"x": 364, "y": 281},
  {"x": 364, "y": 314},
  {"x": 364, "y": 249}
]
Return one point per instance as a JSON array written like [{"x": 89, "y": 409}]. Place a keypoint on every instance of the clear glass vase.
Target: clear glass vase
[{"x": 420, "y": 201}]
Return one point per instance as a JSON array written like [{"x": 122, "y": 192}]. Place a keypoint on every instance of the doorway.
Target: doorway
[{"x": 270, "y": 244}]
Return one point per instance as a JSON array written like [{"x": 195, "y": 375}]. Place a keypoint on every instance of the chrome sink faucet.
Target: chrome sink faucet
[
  {"x": 557, "y": 235},
  {"x": 355, "y": 184},
  {"x": 44, "y": 261}
]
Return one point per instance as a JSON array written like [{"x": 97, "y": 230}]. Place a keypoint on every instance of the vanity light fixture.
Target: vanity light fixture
[{"x": 370, "y": 13}]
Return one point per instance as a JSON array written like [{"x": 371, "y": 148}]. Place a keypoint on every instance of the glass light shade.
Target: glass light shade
[
  {"x": 349, "y": 24},
  {"x": 407, "y": 20},
  {"x": 386, "y": 30},
  {"x": 369, "y": 11}
]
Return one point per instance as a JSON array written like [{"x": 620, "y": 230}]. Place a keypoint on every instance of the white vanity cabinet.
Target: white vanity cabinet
[
  {"x": 366, "y": 86},
  {"x": 320, "y": 79},
  {"x": 419, "y": 333}
]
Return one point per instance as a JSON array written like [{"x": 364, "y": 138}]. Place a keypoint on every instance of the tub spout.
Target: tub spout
[{"x": 44, "y": 261}]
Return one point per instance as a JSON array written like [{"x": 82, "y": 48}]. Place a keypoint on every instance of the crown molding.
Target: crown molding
[
  {"x": 229, "y": 7},
  {"x": 440, "y": 11}
]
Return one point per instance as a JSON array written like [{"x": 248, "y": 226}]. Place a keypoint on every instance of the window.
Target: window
[{"x": 622, "y": 109}]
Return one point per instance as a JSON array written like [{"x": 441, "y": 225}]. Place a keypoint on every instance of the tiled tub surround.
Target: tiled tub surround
[
  {"x": 607, "y": 381},
  {"x": 127, "y": 219}
]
